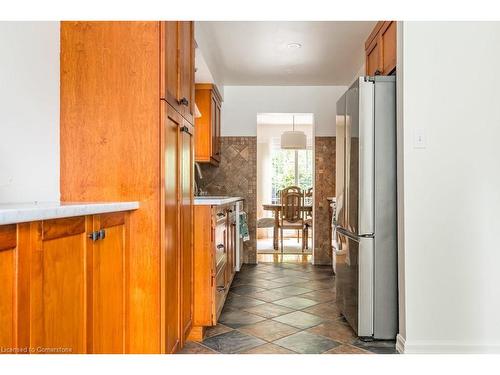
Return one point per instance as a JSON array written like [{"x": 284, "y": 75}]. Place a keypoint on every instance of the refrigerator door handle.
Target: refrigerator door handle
[{"x": 353, "y": 236}]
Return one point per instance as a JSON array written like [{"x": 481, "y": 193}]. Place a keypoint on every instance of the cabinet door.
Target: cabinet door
[
  {"x": 8, "y": 254},
  {"x": 217, "y": 131},
  {"x": 108, "y": 284},
  {"x": 373, "y": 59},
  {"x": 388, "y": 40},
  {"x": 186, "y": 153},
  {"x": 58, "y": 284},
  {"x": 187, "y": 50},
  {"x": 173, "y": 123},
  {"x": 171, "y": 63}
]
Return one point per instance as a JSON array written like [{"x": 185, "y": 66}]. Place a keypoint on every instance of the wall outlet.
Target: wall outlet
[{"x": 419, "y": 138}]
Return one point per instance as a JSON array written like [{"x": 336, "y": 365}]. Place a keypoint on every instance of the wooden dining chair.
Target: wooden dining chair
[
  {"x": 308, "y": 221},
  {"x": 291, "y": 213}
]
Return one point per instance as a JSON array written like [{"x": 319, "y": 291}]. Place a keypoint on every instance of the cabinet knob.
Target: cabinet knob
[
  {"x": 184, "y": 101},
  {"x": 378, "y": 72},
  {"x": 220, "y": 246},
  {"x": 184, "y": 129}
]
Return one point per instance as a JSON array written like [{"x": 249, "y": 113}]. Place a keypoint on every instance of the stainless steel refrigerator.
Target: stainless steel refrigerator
[{"x": 366, "y": 216}]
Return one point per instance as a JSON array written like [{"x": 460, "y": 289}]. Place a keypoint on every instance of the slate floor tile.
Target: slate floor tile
[
  {"x": 292, "y": 290},
  {"x": 300, "y": 319},
  {"x": 377, "y": 346},
  {"x": 268, "y": 349},
  {"x": 240, "y": 302},
  {"x": 268, "y": 330},
  {"x": 243, "y": 290},
  {"x": 296, "y": 303},
  {"x": 192, "y": 347},
  {"x": 335, "y": 330},
  {"x": 327, "y": 310},
  {"x": 235, "y": 319},
  {"x": 217, "y": 330},
  {"x": 307, "y": 343},
  {"x": 347, "y": 349},
  {"x": 320, "y": 296},
  {"x": 232, "y": 342},
  {"x": 269, "y": 310}
]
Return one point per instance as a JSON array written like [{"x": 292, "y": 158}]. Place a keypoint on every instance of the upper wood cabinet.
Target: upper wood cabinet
[
  {"x": 380, "y": 48},
  {"x": 178, "y": 59},
  {"x": 207, "y": 138}
]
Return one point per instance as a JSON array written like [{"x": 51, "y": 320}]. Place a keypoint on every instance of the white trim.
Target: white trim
[{"x": 445, "y": 347}]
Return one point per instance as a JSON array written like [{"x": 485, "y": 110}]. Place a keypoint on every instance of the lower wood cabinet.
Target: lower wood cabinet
[
  {"x": 108, "y": 262},
  {"x": 64, "y": 285},
  {"x": 214, "y": 263}
]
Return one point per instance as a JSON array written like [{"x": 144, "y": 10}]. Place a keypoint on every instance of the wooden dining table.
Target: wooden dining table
[{"x": 276, "y": 208}]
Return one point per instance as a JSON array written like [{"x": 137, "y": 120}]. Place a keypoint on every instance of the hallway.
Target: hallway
[{"x": 283, "y": 308}]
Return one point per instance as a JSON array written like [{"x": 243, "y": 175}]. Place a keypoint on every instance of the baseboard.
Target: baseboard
[
  {"x": 400, "y": 344},
  {"x": 404, "y": 346}
]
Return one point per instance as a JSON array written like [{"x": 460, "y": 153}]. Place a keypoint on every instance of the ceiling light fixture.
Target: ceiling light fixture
[
  {"x": 293, "y": 140},
  {"x": 294, "y": 45}
]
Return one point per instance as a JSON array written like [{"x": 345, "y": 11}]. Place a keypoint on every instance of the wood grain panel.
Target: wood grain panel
[
  {"x": 53, "y": 229},
  {"x": 8, "y": 237},
  {"x": 110, "y": 140},
  {"x": 170, "y": 62},
  {"x": 388, "y": 35},
  {"x": 204, "y": 267},
  {"x": 108, "y": 297},
  {"x": 186, "y": 155},
  {"x": 186, "y": 29},
  {"x": 7, "y": 295},
  {"x": 203, "y": 138},
  {"x": 58, "y": 293},
  {"x": 112, "y": 219},
  {"x": 171, "y": 261}
]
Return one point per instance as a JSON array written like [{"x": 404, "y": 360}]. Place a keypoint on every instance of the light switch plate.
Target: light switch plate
[{"x": 419, "y": 138}]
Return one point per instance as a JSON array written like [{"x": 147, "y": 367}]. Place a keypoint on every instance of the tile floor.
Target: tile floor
[
  {"x": 283, "y": 306},
  {"x": 290, "y": 246}
]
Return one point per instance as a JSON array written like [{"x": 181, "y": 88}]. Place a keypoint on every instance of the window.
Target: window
[{"x": 290, "y": 167}]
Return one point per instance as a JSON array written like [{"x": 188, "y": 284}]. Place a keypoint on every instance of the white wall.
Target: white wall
[
  {"x": 29, "y": 111},
  {"x": 242, "y": 103},
  {"x": 451, "y": 188}
]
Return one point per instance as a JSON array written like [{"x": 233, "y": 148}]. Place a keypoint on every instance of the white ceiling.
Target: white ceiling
[{"x": 256, "y": 52}]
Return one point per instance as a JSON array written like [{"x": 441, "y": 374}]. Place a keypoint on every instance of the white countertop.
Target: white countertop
[
  {"x": 12, "y": 213},
  {"x": 215, "y": 200}
]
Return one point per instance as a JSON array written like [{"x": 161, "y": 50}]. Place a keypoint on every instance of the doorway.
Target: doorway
[{"x": 279, "y": 168}]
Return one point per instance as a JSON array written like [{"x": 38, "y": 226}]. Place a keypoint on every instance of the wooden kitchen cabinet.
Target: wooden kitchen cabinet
[
  {"x": 171, "y": 262},
  {"x": 58, "y": 300},
  {"x": 127, "y": 88},
  {"x": 178, "y": 59},
  {"x": 214, "y": 263},
  {"x": 14, "y": 281},
  {"x": 108, "y": 261},
  {"x": 64, "y": 284},
  {"x": 380, "y": 48},
  {"x": 186, "y": 155},
  {"x": 208, "y": 126}
]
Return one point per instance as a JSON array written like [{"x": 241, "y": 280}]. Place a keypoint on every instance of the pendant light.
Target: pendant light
[{"x": 293, "y": 140}]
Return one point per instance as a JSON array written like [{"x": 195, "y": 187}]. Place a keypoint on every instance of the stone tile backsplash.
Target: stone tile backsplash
[{"x": 237, "y": 176}]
